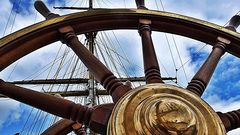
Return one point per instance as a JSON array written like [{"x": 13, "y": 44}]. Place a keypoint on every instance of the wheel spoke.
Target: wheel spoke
[
  {"x": 234, "y": 23},
  {"x": 100, "y": 117},
  {"x": 140, "y": 4},
  {"x": 231, "y": 120},
  {"x": 43, "y": 10},
  {"x": 95, "y": 118},
  {"x": 51, "y": 104},
  {"x": 78, "y": 129},
  {"x": 100, "y": 72},
  {"x": 110, "y": 82},
  {"x": 63, "y": 126},
  {"x": 151, "y": 67},
  {"x": 201, "y": 79}
]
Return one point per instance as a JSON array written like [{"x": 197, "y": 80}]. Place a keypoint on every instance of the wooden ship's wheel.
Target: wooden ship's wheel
[{"x": 155, "y": 108}]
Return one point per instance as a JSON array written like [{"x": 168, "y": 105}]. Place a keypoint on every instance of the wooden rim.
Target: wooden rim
[{"x": 22, "y": 42}]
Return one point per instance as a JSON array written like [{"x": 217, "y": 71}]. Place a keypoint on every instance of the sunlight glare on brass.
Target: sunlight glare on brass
[{"x": 160, "y": 109}]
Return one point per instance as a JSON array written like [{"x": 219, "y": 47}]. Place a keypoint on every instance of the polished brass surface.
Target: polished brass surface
[
  {"x": 151, "y": 109},
  {"x": 159, "y": 109}
]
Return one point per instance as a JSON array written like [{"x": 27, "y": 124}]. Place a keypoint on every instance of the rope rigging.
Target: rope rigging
[{"x": 103, "y": 45}]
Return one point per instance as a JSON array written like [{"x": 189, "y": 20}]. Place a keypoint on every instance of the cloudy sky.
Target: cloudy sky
[{"x": 222, "y": 93}]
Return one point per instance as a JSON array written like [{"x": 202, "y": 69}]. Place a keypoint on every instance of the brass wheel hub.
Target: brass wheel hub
[{"x": 163, "y": 109}]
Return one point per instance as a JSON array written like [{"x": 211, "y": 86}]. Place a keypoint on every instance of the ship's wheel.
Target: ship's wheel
[{"x": 155, "y": 108}]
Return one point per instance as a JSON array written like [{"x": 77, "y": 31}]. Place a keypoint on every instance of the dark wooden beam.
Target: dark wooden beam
[
  {"x": 78, "y": 93},
  {"x": 71, "y": 93},
  {"x": 72, "y": 8},
  {"x": 80, "y": 80},
  {"x": 52, "y": 81}
]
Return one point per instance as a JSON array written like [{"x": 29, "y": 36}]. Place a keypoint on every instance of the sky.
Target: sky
[{"x": 222, "y": 92}]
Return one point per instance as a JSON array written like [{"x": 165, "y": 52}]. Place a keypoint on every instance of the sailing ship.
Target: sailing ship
[{"x": 73, "y": 73}]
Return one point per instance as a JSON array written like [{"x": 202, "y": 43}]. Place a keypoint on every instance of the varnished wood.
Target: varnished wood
[
  {"x": 201, "y": 79},
  {"x": 231, "y": 120},
  {"x": 21, "y": 43},
  {"x": 98, "y": 122},
  {"x": 140, "y": 3},
  {"x": 77, "y": 93},
  {"x": 43, "y": 10},
  {"x": 151, "y": 67},
  {"x": 100, "y": 117},
  {"x": 62, "y": 127},
  {"x": 114, "y": 87},
  {"x": 96, "y": 118},
  {"x": 72, "y": 93},
  {"x": 52, "y": 104},
  {"x": 234, "y": 22},
  {"x": 78, "y": 129}
]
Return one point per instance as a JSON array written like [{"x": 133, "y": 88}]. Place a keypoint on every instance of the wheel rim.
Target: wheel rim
[
  {"x": 208, "y": 32},
  {"x": 126, "y": 19}
]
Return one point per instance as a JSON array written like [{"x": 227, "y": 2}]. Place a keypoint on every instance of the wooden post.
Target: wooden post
[
  {"x": 231, "y": 120},
  {"x": 52, "y": 104},
  {"x": 151, "y": 67},
  {"x": 201, "y": 79},
  {"x": 43, "y": 10},
  {"x": 140, "y": 4},
  {"x": 114, "y": 86}
]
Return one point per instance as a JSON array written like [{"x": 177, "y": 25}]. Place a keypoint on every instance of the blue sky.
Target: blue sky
[{"x": 222, "y": 92}]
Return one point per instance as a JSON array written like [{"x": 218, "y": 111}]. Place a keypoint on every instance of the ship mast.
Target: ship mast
[
  {"x": 90, "y": 37},
  {"x": 91, "y": 82}
]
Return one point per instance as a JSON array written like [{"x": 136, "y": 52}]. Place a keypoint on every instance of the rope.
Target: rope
[
  {"x": 34, "y": 123},
  {"x": 110, "y": 56},
  {"x": 117, "y": 56},
  {"x": 15, "y": 15},
  {"x": 24, "y": 126},
  {"x": 190, "y": 58},
  {"x": 175, "y": 44},
  {"x": 5, "y": 29}
]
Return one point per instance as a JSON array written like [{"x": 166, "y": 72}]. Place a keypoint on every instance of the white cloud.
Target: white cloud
[
  {"x": 219, "y": 13},
  {"x": 221, "y": 105},
  {"x": 10, "y": 111}
]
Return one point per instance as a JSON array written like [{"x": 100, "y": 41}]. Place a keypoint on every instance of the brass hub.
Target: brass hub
[{"x": 159, "y": 109}]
